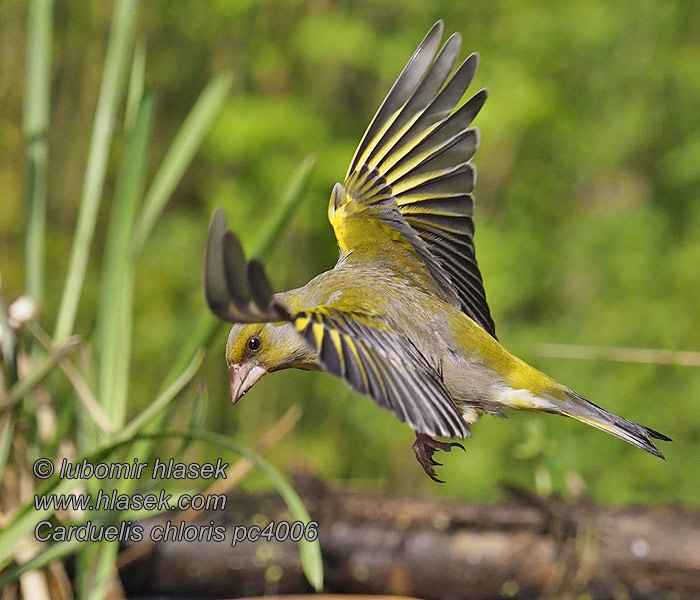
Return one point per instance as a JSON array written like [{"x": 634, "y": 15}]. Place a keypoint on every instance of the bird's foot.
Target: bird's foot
[{"x": 425, "y": 447}]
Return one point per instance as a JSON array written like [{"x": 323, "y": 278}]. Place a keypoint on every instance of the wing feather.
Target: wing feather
[
  {"x": 413, "y": 171},
  {"x": 236, "y": 291},
  {"x": 400, "y": 92},
  {"x": 423, "y": 94},
  {"x": 383, "y": 365}
]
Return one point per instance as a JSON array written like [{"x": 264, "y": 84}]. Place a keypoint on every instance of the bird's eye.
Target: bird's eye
[{"x": 253, "y": 343}]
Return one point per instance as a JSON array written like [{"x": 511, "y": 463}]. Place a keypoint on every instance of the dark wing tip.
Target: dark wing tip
[
  {"x": 215, "y": 287},
  {"x": 261, "y": 291},
  {"x": 260, "y": 287},
  {"x": 234, "y": 266},
  {"x": 455, "y": 38},
  {"x": 656, "y": 435},
  {"x": 651, "y": 449},
  {"x": 236, "y": 290},
  {"x": 218, "y": 219},
  {"x": 477, "y": 101}
]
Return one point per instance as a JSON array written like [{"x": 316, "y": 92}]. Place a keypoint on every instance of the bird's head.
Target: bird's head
[{"x": 255, "y": 349}]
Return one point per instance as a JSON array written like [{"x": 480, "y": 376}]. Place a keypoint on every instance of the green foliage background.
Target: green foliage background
[{"x": 588, "y": 216}]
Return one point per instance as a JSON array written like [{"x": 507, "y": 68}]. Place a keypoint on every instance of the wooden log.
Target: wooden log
[{"x": 435, "y": 549}]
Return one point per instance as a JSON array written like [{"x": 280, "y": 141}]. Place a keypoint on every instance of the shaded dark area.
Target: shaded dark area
[{"x": 528, "y": 548}]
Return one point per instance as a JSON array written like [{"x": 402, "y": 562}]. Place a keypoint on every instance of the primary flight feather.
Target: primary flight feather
[{"x": 402, "y": 317}]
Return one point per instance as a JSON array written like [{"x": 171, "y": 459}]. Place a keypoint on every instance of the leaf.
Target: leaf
[
  {"x": 111, "y": 91},
  {"x": 37, "y": 99},
  {"x": 116, "y": 298},
  {"x": 180, "y": 154}
]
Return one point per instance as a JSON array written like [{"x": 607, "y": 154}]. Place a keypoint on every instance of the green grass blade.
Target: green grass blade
[
  {"x": 7, "y": 430},
  {"x": 37, "y": 97},
  {"x": 272, "y": 228},
  {"x": 102, "y": 568},
  {"x": 25, "y": 520},
  {"x": 47, "y": 555},
  {"x": 116, "y": 294},
  {"x": 8, "y": 343},
  {"x": 179, "y": 155},
  {"x": 33, "y": 379},
  {"x": 8, "y": 348},
  {"x": 137, "y": 83},
  {"x": 164, "y": 398},
  {"x": 115, "y": 315},
  {"x": 111, "y": 92}
]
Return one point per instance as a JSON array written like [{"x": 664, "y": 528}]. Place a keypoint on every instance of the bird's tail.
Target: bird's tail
[{"x": 577, "y": 407}]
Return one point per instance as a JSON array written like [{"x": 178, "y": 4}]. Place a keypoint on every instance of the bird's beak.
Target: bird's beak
[{"x": 243, "y": 377}]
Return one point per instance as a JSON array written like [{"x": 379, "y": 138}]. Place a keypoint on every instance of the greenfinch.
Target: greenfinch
[{"x": 402, "y": 317}]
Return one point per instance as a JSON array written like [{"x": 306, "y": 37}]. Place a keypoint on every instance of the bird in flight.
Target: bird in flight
[{"x": 402, "y": 317}]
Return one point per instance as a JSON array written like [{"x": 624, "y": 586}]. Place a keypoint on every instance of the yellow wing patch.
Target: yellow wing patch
[{"x": 408, "y": 187}]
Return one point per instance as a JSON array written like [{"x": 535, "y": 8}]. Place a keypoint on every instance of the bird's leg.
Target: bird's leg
[{"x": 425, "y": 447}]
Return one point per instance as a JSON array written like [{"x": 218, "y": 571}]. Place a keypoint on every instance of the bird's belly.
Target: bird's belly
[{"x": 474, "y": 387}]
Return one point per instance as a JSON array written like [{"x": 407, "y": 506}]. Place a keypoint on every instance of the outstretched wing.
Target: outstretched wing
[
  {"x": 383, "y": 365},
  {"x": 412, "y": 171},
  {"x": 236, "y": 290},
  {"x": 371, "y": 358}
]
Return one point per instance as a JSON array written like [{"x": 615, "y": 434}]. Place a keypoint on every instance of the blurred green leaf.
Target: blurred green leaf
[
  {"x": 137, "y": 84},
  {"x": 116, "y": 299},
  {"x": 180, "y": 154},
  {"x": 111, "y": 91},
  {"x": 35, "y": 377},
  {"x": 7, "y": 429},
  {"x": 37, "y": 98}
]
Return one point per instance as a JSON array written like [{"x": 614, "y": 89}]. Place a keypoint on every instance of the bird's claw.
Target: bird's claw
[{"x": 424, "y": 448}]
